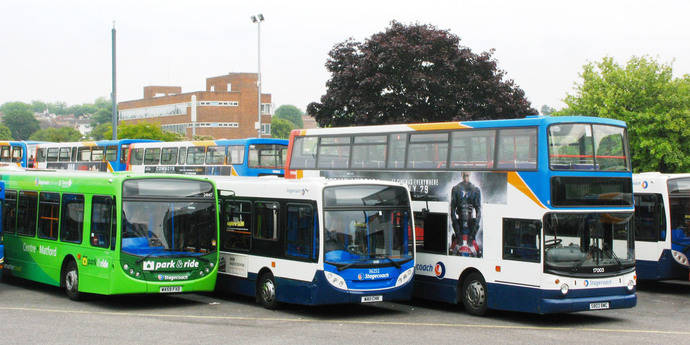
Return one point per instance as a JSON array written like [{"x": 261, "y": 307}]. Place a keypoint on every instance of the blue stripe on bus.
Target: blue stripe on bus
[
  {"x": 318, "y": 291},
  {"x": 665, "y": 268},
  {"x": 531, "y": 300}
]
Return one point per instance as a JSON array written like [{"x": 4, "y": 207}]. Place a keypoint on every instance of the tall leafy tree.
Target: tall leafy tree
[
  {"x": 62, "y": 134},
  {"x": 5, "y": 133},
  {"x": 19, "y": 118},
  {"x": 290, "y": 113},
  {"x": 414, "y": 73},
  {"x": 644, "y": 94},
  {"x": 280, "y": 128}
]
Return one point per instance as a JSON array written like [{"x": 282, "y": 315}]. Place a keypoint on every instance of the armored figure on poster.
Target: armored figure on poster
[{"x": 465, "y": 214}]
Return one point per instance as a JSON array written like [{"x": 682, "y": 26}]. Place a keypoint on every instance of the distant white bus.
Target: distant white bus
[
  {"x": 662, "y": 225},
  {"x": 315, "y": 241}
]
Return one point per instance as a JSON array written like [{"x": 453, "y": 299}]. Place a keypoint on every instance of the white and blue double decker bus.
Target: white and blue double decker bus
[
  {"x": 532, "y": 214},
  {"x": 315, "y": 241},
  {"x": 662, "y": 225},
  {"x": 228, "y": 157},
  {"x": 101, "y": 155}
]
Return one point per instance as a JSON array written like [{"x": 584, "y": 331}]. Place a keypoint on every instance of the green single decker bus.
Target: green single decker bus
[{"x": 108, "y": 233}]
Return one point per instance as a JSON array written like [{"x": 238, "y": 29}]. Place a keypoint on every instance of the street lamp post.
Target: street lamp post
[{"x": 258, "y": 19}]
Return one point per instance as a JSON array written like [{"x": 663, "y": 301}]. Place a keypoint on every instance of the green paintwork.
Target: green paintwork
[{"x": 100, "y": 269}]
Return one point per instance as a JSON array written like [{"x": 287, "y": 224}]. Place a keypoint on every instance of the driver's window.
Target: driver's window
[{"x": 521, "y": 239}]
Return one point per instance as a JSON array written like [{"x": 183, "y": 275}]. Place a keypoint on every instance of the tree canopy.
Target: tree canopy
[
  {"x": 644, "y": 94},
  {"x": 19, "y": 118},
  {"x": 290, "y": 113},
  {"x": 62, "y": 134},
  {"x": 414, "y": 73},
  {"x": 141, "y": 130},
  {"x": 5, "y": 133},
  {"x": 280, "y": 128}
]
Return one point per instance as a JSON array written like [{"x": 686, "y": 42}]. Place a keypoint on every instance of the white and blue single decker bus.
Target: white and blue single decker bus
[
  {"x": 315, "y": 241},
  {"x": 531, "y": 214},
  {"x": 662, "y": 225}
]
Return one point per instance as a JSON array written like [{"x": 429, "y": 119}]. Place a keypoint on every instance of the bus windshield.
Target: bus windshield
[
  {"x": 587, "y": 243},
  {"x": 580, "y": 146},
  {"x": 161, "y": 218},
  {"x": 367, "y": 226}
]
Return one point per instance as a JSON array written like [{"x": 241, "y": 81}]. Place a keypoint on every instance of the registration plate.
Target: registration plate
[
  {"x": 599, "y": 305},
  {"x": 368, "y": 299},
  {"x": 169, "y": 289}
]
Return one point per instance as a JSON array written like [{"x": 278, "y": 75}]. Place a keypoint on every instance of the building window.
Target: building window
[
  {"x": 265, "y": 128},
  {"x": 229, "y": 87},
  {"x": 266, "y": 108}
]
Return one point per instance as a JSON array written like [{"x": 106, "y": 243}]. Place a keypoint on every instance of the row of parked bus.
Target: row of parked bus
[
  {"x": 232, "y": 157},
  {"x": 532, "y": 215}
]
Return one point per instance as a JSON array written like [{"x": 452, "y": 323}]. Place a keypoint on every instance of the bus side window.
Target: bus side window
[
  {"x": 26, "y": 213},
  {"x": 235, "y": 154},
  {"x": 183, "y": 155},
  {"x": 137, "y": 156},
  {"x": 152, "y": 156},
  {"x": 300, "y": 233},
  {"x": 72, "y": 218},
  {"x": 17, "y": 153},
  {"x": 9, "y": 212},
  {"x": 304, "y": 153},
  {"x": 236, "y": 232},
  {"x": 40, "y": 155},
  {"x": 521, "y": 239},
  {"x": 101, "y": 217},
  {"x": 5, "y": 154},
  {"x": 84, "y": 154},
  {"x": 431, "y": 230},
  {"x": 74, "y": 154},
  {"x": 169, "y": 156},
  {"x": 267, "y": 217},
  {"x": 48, "y": 211},
  {"x": 111, "y": 153}
]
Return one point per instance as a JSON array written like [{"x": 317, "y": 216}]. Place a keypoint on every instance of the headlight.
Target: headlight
[
  {"x": 405, "y": 277},
  {"x": 564, "y": 289},
  {"x": 631, "y": 285},
  {"x": 336, "y": 280},
  {"x": 680, "y": 257}
]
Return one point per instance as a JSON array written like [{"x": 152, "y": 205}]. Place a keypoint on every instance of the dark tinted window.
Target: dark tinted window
[
  {"x": 152, "y": 156},
  {"x": 101, "y": 216},
  {"x": 137, "y": 156},
  {"x": 64, "y": 154},
  {"x": 267, "y": 220},
  {"x": 9, "y": 212},
  {"x": 365, "y": 195},
  {"x": 169, "y": 156},
  {"x": 300, "y": 231},
  {"x": 72, "y": 218},
  {"x": 586, "y": 191},
  {"x": 237, "y": 228},
  {"x": 521, "y": 239},
  {"x": 26, "y": 213}
]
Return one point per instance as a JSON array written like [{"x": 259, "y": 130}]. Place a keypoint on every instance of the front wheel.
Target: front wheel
[
  {"x": 266, "y": 291},
  {"x": 474, "y": 294},
  {"x": 71, "y": 281}
]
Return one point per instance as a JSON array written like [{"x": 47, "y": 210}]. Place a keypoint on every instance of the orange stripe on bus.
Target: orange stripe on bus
[
  {"x": 517, "y": 182},
  {"x": 205, "y": 143},
  {"x": 437, "y": 126}
]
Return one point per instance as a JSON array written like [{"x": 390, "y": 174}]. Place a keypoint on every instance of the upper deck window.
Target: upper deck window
[{"x": 581, "y": 146}]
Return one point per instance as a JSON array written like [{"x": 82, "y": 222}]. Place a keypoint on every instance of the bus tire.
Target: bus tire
[
  {"x": 474, "y": 294},
  {"x": 266, "y": 291},
  {"x": 70, "y": 279}
]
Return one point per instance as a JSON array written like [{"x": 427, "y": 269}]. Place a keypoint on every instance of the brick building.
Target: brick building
[{"x": 227, "y": 109}]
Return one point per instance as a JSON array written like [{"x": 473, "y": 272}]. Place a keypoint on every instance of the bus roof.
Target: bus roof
[{"x": 532, "y": 120}]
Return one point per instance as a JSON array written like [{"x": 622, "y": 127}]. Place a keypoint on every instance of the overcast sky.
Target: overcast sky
[{"x": 60, "y": 50}]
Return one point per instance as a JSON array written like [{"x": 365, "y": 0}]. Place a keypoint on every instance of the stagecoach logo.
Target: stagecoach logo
[
  {"x": 150, "y": 265},
  {"x": 595, "y": 283},
  {"x": 439, "y": 269},
  {"x": 172, "y": 277},
  {"x": 372, "y": 276},
  {"x": 645, "y": 184},
  {"x": 301, "y": 191}
]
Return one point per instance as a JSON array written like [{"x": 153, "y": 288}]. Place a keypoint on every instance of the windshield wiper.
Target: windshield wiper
[
  {"x": 144, "y": 258},
  {"x": 395, "y": 263},
  {"x": 345, "y": 266}
]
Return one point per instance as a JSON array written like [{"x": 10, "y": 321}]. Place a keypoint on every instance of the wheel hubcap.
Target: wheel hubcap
[
  {"x": 71, "y": 280},
  {"x": 475, "y": 294},
  {"x": 268, "y": 291}
]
